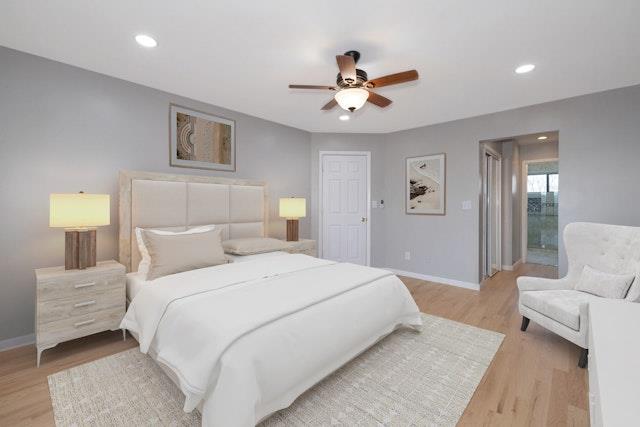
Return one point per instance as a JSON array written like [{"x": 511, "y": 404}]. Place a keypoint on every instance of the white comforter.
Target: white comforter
[{"x": 244, "y": 340}]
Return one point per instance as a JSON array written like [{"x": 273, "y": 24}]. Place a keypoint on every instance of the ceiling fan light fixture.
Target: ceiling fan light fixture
[{"x": 352, "y": 99}]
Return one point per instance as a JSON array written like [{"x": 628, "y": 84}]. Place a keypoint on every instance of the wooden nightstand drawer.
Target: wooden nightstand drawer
[
  {"x": 85, "y": 302},
  {"x": 75, "y": 303},
  {"x": 79, "y": 326},
  {"x": 70, "y": 287}
]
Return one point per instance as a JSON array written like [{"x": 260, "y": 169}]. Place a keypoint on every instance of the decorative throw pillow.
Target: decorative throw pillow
[
  {"x": 603, "y": 284},
  {"x": 143, "y": 266},
  {"x": 175, "y": 253},
  {"x": 252, "y": 245}
]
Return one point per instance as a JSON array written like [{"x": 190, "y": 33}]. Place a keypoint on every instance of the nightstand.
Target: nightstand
[
  {"x": 75, "y": 303},
  {"x": 302, "y": 246}
]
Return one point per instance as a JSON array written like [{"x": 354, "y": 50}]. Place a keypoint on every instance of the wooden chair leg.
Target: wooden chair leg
[
  {"x": 582, "y": 362},
  {"x": 525, "y": 324}
]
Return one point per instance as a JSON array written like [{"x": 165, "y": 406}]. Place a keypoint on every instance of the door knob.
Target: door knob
[{"x": 363, "y": 219}]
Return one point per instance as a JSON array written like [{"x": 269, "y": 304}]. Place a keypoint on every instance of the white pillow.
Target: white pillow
[
  {"x": 145, "y": 261},
  {"x": 178, "y": 252},
  {"x": 252, "y": 245},
  {"x": 603, "y": 284}
]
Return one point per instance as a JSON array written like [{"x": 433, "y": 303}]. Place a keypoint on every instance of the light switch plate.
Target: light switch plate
[{"x": 466, "y": 205}]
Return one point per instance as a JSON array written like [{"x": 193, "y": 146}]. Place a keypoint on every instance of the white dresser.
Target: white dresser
[
  {"x": 74, "y": 303},
  {"x": 614, "y": 352}
]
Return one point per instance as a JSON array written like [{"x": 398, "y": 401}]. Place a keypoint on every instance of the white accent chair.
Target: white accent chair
[{"x": 556, "y": 305}]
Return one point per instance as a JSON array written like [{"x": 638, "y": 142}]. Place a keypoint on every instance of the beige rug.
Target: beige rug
[{"x": 408, "y": 378}]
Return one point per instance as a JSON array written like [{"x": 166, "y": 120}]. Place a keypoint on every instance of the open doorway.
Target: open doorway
[
  {"x": 505, "y": 238},
  {"x": 540, "y": 211}
]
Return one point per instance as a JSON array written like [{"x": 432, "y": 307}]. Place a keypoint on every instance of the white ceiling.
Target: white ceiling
[{"x": 242, "y": 54}]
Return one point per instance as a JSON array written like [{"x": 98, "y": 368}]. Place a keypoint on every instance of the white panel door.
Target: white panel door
[{"x": 344, "y": 208}]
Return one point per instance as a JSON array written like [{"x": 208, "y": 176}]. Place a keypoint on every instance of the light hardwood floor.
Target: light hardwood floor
[{"x": 533, "y": 380}]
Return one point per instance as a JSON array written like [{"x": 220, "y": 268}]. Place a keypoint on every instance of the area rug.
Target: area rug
[{"x": 408, "y": 378}]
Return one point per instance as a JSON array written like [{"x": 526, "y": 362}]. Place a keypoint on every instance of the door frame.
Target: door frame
[
  {"x": 484, "y": 207},
  {"x": 367, "y": 155},
  {"x": 524, "y": 223}
]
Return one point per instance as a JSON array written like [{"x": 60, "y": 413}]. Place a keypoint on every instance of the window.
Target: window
[
  {"x": 543, "y": 183},
  {"x": 553, "y": 182},
  {"x": 536, "y": 183}
]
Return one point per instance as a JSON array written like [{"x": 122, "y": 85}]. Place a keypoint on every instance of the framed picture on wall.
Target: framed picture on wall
[
  {"x": 200, "y": 140},
  {"x": 425, "y": 185}
]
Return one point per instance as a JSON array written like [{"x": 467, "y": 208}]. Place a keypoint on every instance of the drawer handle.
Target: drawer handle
[
  {"x": 84, "y": 285},
  {"x": 83, "y": 304},
  {"x": 86, "y": 322}
]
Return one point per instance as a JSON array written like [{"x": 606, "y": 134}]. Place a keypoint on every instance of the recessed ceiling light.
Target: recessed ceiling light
[
  {"x": 525, "y": 68},
  {"x": 146, "y": 41},
  {"x": 344, "y": 117},
  {"x": 542, "y": 138}
]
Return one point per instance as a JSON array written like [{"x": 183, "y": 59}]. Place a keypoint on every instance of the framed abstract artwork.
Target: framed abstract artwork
[
  {"x": 201, "y": 141},
  {"x": 425, "y": 184}
]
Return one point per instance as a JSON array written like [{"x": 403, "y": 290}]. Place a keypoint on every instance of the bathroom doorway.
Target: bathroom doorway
[{"x": 541, "y": 181}]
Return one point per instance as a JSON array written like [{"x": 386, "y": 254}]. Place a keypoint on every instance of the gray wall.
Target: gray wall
[
  {"x": 599, "y": 152},
  {"x": 63, "y": 129},
  {"x": 508, "y": 194},
  {"x": 516, "y": 205},
  {"x": 374, "y": 143},
  {"x": 541, "y": 151}
]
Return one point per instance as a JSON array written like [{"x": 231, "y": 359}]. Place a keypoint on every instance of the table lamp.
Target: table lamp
[
  {"x": 79, "y": 214},
  {"x": 293, "y": 208}
]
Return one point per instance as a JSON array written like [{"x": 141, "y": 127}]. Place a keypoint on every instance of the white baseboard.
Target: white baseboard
[
  {"x": 512, "y": 267},
  {"x": 10, "y": 343},
  {"x": 444, "y": 280}
]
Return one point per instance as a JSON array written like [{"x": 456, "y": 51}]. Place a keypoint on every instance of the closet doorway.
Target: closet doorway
[{"x": 491, "y": 209}]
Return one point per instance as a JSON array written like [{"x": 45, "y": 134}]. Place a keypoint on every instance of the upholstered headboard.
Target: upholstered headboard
[{"x": 178, "y": 202}]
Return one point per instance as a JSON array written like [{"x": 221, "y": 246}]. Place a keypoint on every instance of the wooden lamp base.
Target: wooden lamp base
[
  {"x": 79, "y": 249},
  {"x": 292, "y": 230}
]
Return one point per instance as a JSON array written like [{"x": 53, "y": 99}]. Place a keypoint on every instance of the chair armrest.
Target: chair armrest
[{"x": 526, "y": 283}]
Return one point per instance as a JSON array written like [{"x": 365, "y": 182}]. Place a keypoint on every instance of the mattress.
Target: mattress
[
  {"x": 243, "y": 342},
  {"x": 135, "y": 281}
]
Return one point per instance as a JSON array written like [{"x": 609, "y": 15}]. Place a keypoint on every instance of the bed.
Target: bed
[{"x": 245, "y": 339}]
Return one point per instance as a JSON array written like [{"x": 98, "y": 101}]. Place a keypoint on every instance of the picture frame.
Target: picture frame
[
  {"x": 200, "y": 140},
  {"x": 425, "y": 185}
]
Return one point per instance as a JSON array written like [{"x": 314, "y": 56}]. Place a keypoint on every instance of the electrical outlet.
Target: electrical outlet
[
  {"x": 466, "y": 205},
  {"x": 407, "y": 256}
]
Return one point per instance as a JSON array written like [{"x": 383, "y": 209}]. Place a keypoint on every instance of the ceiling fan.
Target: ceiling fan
[{"x": 353, "y": 88}]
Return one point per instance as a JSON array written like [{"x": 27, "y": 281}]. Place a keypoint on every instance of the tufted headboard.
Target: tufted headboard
[{"x": 178, "y": 202}]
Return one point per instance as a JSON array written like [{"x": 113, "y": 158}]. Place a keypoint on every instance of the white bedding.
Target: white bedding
[
  {"x": 135, "y": 280},
  {"x": 245, "y": 339}
]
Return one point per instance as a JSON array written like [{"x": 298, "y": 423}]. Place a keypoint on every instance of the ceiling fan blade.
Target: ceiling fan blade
[
  {"x": 393, "y": 79},
  {"x": 378, "y": 100},
  {"x": 347, "y": 68},
  {"x": 329, "y": 105},
  {"x": 311, "y": 87}
]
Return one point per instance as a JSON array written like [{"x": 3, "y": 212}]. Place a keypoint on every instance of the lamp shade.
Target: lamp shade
[
  {"x": 293, "y": 207},
  {"x": 352, "y": 99},
  {"x": 79, "y": 210}
]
